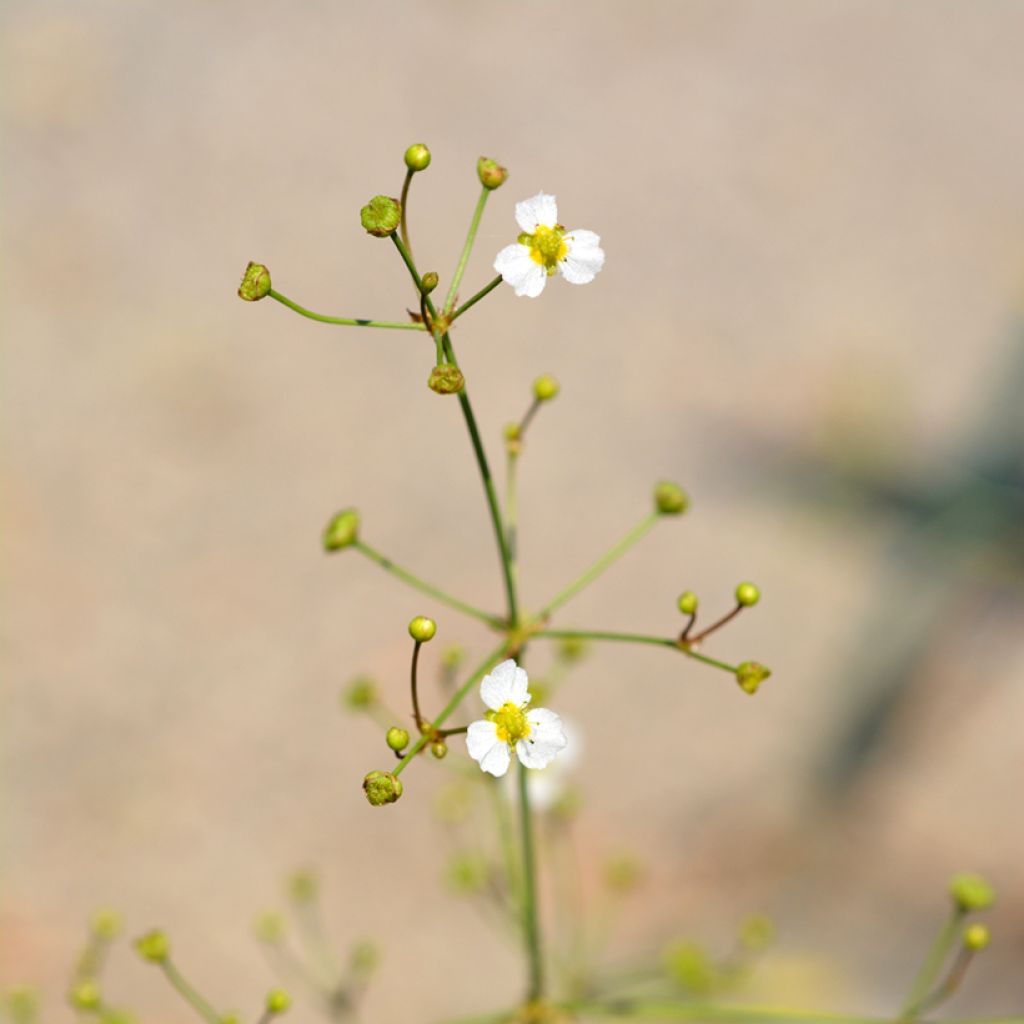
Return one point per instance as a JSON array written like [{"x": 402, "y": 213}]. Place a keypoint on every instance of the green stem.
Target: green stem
[
  {"x": 600, "y": 565},
  {"x": 189, "y": 994},
  {"x": 403, "y": 226},
  {"x": 474, "y": 224},
  {"x": 469, "y": 303},
  {"x": 531, "y": 924},
  {"x": 512, "y": 518},
  {"x": 457, "y": 698},
  {"x": 427, "y": 588},
  {"x": 933, "y": 962},
  {"x": 631, "y": 638},
  {"x": 344, "y": 321}
]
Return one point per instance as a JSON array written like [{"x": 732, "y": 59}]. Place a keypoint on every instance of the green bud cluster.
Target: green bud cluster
[
  {"x": 382, "y": 788},
  {"x": 750, "y": 675},
  {"x": 381, "y": 216},
  {"x": 446, "y": 380}
]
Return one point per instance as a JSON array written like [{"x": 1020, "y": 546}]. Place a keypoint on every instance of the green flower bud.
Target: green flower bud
[
  {"x": 342, "y": 531},
  {"x": 364, "y": 958},
  {"x": 360, "y": 694},
  {"x": 452, "y": 656},
  {"x": 467, "y": 873},
  {"x": 545, "y": 388},
  {"x": 417, "y": 157},
  {"x": 105, "y": 924},
  {"x": 670, "y": 499},
  {"x": 381, "y": 216},
  {"x": 687, "y": 602},
  {"x": 86, "y": 995},
  {"x": 428, "y": 282},
  {"x": 278, "y": 1001},
  {"x": 23, "y": 1004},
  {"x": 422, "y": 629},
  {"x": 269, "y": 927},
  {"x": 572, "y": 648},
  {"x": 511, "y": 432},
  {"x": 976, "y": 938},
  {"x": 747, "y": 595},
  {"x": 439, "y": 749},
  {"x": 446, "y": 380},
  {"x": 623, "y": 873},
  {"x": 154, "y": 946},
  {"x": 255, "y": 283},
  {"x": 382, "y": 788},
  {"x": 397, "y": 739},
  {"x": 303, "y": 886},
  {"x": 971, "y": 892},
  {"x": 757, "y": 932},
  {"x": 750, "y": 675},
  {"x": 491, "y": 174},
  {"x": 690, "y": 967}
]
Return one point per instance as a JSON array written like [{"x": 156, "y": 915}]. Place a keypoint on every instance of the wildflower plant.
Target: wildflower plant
[{"x": 490, "y": 724}]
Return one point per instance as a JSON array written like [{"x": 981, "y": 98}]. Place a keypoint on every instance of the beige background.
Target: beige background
[{"x": 813, "y": 217}]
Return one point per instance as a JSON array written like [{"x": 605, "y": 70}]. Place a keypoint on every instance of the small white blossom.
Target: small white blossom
[
  {"x": 544, "y": 247},
  {"x": 536, "y": 735}
]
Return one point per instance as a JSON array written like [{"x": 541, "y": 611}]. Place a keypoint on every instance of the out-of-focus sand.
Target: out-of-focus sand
[{"x": 813, "y": 217}]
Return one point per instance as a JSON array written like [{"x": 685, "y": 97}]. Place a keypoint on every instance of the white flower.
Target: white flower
[
  {"x": 536, "y": 735},
  {"x": 544, "y": 247}
]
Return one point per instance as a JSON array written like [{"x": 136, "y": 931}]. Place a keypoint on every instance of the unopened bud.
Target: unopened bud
[
  {"x": 86, "y": 995},
  {"x": 446, "y": 379},
  {"x": 397, "y": 738},
  {"x": 687, "y": 602},
  {"x": 545, "y": 388},
  {"x": 269, "y": 927},
  {"x": 154, "y": 946},
  {"x": 690, "y": 967},
  {"x": 452, "y": 656},
  {"x": 428, "y": 282},
  {"x": 382, "y": 788},
  {"x": 670, "y": 499},
  {"x": 971, "y": 892},
  {"x": 342, "y": 531},
  {"x": 417, "y": 157},
  {"x": 381, "y": 216},
  {"x": 572, "y": 648},
  {"x": 105, "y": 924},
  {"x": 439, "y": 749},
  {"x": 255, "y": 283},
  {"x": 278, "y": 1001},
  {"x": 422, "y": 629},
  {"x": 623, "y": 873},
  {"x": 364, "y": 958},
  {"x": 303, "y": 886},
  {"x": 750, "y": 675},
  {"x": 976, "y": 938},
  {"x": 360, "y": 694},
  {"x": 747, "y": 595},
  {"x": 491, "y": 174}
]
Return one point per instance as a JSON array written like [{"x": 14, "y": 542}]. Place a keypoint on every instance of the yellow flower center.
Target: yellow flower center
[
  {"x": 511, "y": 723},
  {"x": 547, "y": 246}
]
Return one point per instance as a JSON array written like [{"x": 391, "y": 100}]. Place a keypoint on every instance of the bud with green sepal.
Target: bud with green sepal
[
  {"x": 342, "y": 531},
  {"x": 757, "y": 932},
  {"x": 255, "y": 283},
  {"x": 976, "y": 938},
  {"x": 750, "y": 675},
  {"x": 747, "y": 595},
  {"x": 154, "y": 946},
  {"x": 105, "y": 924},
  {"x": 971, "y": 892},
  {"x": 381, "y": 788},
  {"x": 446, "y": 379},
  {"x": 364, "y": 958},
  {"x": 491, "y": 174},
  {"x": 545, "y": 388},
  {"x": 397, "y": 739},
  {"x": 278, "y": 1001},
  {"x": 86, "y": 995},
  {"x": 428, "y": 282},
  {"x": 687, "y": 602},
  {"x": 269, "y": 927},
  {"x": 381, "y": 216},
  {"x": 439, "y": 749},
  {"x": 360, "y": 695},
  {"x": 670, "y": 499},
  {"x": 303, "y": 886},
  {"x": 422, "y": 629},
  {"x": 417, "y": 157}
]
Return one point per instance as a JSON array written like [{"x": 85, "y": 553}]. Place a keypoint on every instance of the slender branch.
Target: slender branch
[
  {"x": 531, "y": 924},
  {"x": 474, "y": 224},
  {"x": 616, "y": 551},
  {"x": 714, "y": 627},
  {"x": 415, "y": 688},
  {"x": 512, "y": 515},
  {"x": 528, "y": 418},
  {"x": 191, "y": 996},
  {"x": 933, "y": 962},
  {"x": 427, "y": 588},
  {"x": 403, "y": 226},
  {"x": 342, "y": 320},
  {"x": 632, "y": 638},
  {"x": 469, "y": 303},
  {"x": 949, "y": 984}
]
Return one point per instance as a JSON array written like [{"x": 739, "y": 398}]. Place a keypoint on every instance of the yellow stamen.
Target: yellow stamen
[
  {"x": 547, "y": 246},
  {"x": 511, "y": 723}
]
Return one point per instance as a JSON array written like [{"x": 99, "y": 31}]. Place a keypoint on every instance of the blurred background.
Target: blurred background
[{"x": 810, "y": 316}]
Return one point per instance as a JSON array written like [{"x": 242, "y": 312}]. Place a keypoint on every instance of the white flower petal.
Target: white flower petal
[
  {"x": 584, "y": 259},
  {"x": 520, "y": 270},
  {"x": 500, "y": 685},
  {"x": 546, "y": 739},
  {"x": 486, "y": 749},
  {"x": 539, "y": 209}
]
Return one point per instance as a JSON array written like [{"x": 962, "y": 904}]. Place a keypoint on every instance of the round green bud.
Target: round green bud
[
  {"x": 757, "y": 932},
  {"x": 303, "y": 886},
  {"x": 105, "y": 924},
  {"x": 342, "y": 531},
  {"x": 86, "y": 995},
  {"x": 971, "y": 892},
  {"x": 381, "y": 216},
  {"x": 439, "y": 749},
  {"x": 428, "y": 282},
  {"x": 23, "y": 1004},
  {"x": 572, "y": 648},
  {"x": 417, "y": 157},
  {"x": 511, "y": 432},
  {"x": 623, "y": 873},
  {"x": 750, "y": 675},
  {"x": 364, "y": 957},
  {"x": 747, "y": 595},
  {"x": 446, "y": 380},
  {"x": 382, "y": 788},
  {"x": 687, "y": 602},
  {"x": 278, "y": 1001},
  {"x": 422, "y": 629},
  {"x": 467, "y": 873},
  {"x": 154, "y": 946},
  {"x": 491, "y": 174},
  {"x": 269, "y": 927},
  {"x": 976, "y": 938},
  {"x": 255, "y": 283},
  {"x": 452, "y": 656},
  {"x": 545, "y": 388},
  {"x": 690, "y": 967},
  {"x": 397, "y": 738},
  {"x": 360, "y": 694},
  {"x": 670, "y": 499}
]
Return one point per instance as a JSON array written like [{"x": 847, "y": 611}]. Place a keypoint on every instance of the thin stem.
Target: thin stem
[
  {"x": 344, "y": 321},
  {"x": 632, "y": 638},
  {"x": 404, "y": 202},
  {"x": 413, "y": 685},
  {"x": 427, "y": 588},
  {"x": 474, "y": 224},
  {"x": 949, "y": 984},
  {"x": 469, "y": 303},
  {"x": 527, "y": 418},
  {"x": 512, "y": 516},
  {"x": 531, "y": 924},
  {"x": 713, "y": 627},
  {"x": 616, "y": 551},
  {"x": 933, "y": 962},
  {"x": 458, "y": 730},
  {"x": 195, "y": 999},
  {"x": 457, "y": 698}
]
